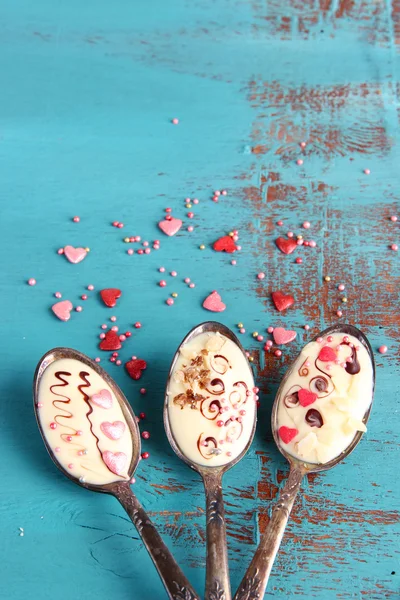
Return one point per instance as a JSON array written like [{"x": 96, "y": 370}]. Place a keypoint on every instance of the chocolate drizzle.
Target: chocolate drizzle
[
  {"x": 303, "y": 370},
  {"x": 214, "y": 363},
  {"x": 210, "y": 406},
  {"x": 321, "y": 386},
  {"x": 234, "y": 430},
  {"x": 291, "y": 400},
  {"x": 84, "y": 375},
  {"x": 217, "y": 386},
  {"x": 352, "y": 367},
  {"x": 314, "y": 418},
  {"x": 61, "y": 375},
  {"x": 240, "y": 394},
  {"x": 208, "y": 440}
]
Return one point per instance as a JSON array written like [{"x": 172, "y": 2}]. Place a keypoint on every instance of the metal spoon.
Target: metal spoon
[
  {"x": 175, "y": 582},
  {"x": 254, "y": 583},
  {"x": 217, "y": 572}
]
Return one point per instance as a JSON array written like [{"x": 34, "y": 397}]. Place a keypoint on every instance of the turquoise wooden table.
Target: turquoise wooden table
[{"x": 89, "y": 90}]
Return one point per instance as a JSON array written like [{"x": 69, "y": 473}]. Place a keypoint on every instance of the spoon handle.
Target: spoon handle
[
  {"x": 253, "y": 584},
  {"x": 217, "y": 570},
  {"x": 175, "y": 582}
]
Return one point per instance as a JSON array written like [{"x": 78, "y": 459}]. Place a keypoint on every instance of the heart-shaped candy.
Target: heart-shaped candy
[
  {"x": 287, "y": 434},
  {"x": 306, "y": 397},
  {"x": 225, "y": 244},
  {"x": 286, "y": 245},
  {"x": 74, "y": 255},
  {"x": 214, "y": 303},
  {"x": 110, "y": 342},
  {"x": 62, "y": 310},
  {"x": 327, "y": 354},
  {"x": 115, "y": 461},
  {"x": 283, "y": 336},
  {"x": 282, "y": 300},
  {"x": 171, "y": 226},
  {"x": 114, "y": 431},
  {"x": 110, "y": 296},
  {"x": 135, "y": 368},
  {"x": 103, "y": 399}
]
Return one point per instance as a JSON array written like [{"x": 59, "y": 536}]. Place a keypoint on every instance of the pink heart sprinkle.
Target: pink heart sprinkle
[
  {"x": 102, "y": 399},
  {"x": 114, "y": 431},
  {"x": 170, "y": 227},
  {"x": 283, "y": 336},
  {"x": 214, "y": 303},
  {"x": 327, "y": 354},
  {"x": 62, "y": 310},
  {"x": 115, "y": 461},
  {"x": 306, "y": 397},
  {"x": 74, "y": 255}
]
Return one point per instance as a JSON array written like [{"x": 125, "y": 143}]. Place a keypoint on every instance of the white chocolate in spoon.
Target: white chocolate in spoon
[
  {"x": 211, "y": 400},
  {"x": 83, "y": 423},
  {"x": 325, "y": 397}
]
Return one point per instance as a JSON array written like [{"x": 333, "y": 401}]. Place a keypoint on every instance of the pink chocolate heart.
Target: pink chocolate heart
[
  {"x": 214, "y": 303},
  {"x": 114, "y": 431},
  {"x": 115, "y": 461},
  {"x": 102, "y": 399},
  {"x": 74, "y": 255},
  {"x": 62, "y": 310},
  {"x": 170, "y": 227},
  {"x": 283, "y": 336}
]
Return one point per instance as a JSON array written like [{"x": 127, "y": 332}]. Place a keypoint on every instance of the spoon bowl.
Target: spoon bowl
[
  {"x": 217, "y": 572},
  {"x": 84, "y": 398},
  {"x": 255, "y": 581},
  {"x": 68, "y": 353},
  {"x": 312, "y": 467}
]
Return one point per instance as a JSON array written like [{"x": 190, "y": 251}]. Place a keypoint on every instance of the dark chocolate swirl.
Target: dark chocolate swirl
[
  {"x": 352, "y": 367},
  {"x": 314, "y": 418}
]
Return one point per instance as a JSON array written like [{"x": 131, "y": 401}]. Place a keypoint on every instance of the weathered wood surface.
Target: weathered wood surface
[{"x": 88, "y": 91}]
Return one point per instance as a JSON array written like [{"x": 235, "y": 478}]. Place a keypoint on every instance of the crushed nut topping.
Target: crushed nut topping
[
  {"x": 189, "y": 397},
  {"x": 198, "y": 374}
]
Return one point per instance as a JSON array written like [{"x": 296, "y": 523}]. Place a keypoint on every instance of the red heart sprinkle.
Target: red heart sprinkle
[
  {"x": 286, "y": 245},
  {"x": 287, "y": 433},
  {"x": 306, "y": 397},
  {"x": 327, "y": 354},
  {"x": 225, "y": 244},
  {"x": 135, "y": 368},
  {"x": 111, "y": 341},
  {"x": 110, "y": 296},
  {"x": 282, "y": 300}
]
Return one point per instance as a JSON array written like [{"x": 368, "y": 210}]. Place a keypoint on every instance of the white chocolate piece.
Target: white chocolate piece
[
  {"x": 106, "y": 417},
  {"x": 194, "y": 422},
  {"x": 341, "y": 406}
]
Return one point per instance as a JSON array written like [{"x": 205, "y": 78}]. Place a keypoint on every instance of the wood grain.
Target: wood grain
[{"x": 88, "y": 93}]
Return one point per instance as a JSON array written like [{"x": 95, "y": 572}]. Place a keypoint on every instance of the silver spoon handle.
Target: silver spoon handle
[
  {"x": 253, "y": 584},
  {"x": 175, "y": 582},
  {"x": 217, "y": 570}
]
